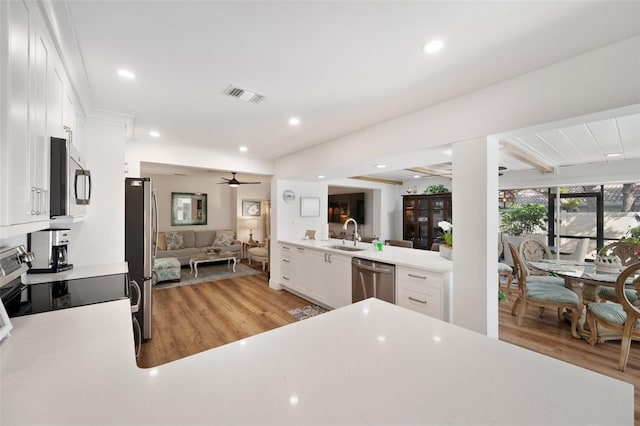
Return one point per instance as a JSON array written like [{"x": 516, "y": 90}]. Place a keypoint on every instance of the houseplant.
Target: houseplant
[
  {"x": 520, "y": 222},
  {"x": 435, "y": 189},
  {"x": 446, "y": 249}
]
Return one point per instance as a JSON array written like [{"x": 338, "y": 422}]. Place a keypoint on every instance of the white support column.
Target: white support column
[{"x": 475, "y": 235}]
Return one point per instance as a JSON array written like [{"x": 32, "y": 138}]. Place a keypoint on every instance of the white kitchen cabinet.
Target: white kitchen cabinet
[
  {"x": 23, "y": 115},
  {"x": 339, "y": 280},
  {"x": 424, "y": 291},
  {"x": 287, "y": 266},
  {"x": 323, "y": 277},
  {"x": 294, "y": 268}
]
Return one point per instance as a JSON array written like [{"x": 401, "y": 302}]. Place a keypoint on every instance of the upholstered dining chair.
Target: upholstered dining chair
[
  {"x": 505, "y": 272},
  {"x": 579, "y": 253},
  {"x": 535, "y": 250},
  {"x": 628, "y": 255},
  {"x": 623, "y": 317},
  {"x": 543, "y": 295}
]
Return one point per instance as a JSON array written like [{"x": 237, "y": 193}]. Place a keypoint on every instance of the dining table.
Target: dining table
[{"x": 585, "y": 280}]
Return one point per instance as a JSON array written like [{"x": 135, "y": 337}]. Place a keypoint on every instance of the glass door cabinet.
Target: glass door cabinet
[{"x": 420, "y": 217}]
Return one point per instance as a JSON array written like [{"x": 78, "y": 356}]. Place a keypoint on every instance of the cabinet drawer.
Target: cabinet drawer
[
  {"x": 287, "y": 277},
  {"x": 425, "y": 300},
  {"x": 419, "y": 276},
  {"x": 286, "y": 262}
]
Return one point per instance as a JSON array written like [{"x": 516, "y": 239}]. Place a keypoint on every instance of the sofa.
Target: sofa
[{"x": 185, "y": 244}]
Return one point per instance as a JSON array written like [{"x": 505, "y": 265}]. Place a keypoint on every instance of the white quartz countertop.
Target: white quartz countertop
[
  {"x": 367, "y": 363},
  {"x": 79, "y": 271},
  {"x": 399, "y": 256}
]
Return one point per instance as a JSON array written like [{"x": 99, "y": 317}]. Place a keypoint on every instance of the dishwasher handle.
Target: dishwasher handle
[{"x": 376, "y": 270}]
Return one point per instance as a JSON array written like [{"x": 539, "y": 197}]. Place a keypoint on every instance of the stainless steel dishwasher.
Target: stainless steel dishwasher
[{"x": 372, "y": 279}]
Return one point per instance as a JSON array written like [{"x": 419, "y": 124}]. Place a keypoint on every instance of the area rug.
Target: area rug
[
  {"x": 307, "y": 312},
  {"x": 213, "y": 272}
]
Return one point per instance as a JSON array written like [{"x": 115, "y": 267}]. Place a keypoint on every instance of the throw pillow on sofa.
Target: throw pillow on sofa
[
  {"x": 161, "y": 242},
  {"x": 223, "y": 240},
  {"x": 175, "y": 240}
]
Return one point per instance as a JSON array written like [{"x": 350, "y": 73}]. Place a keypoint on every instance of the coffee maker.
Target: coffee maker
[{"x": 49, "y": 248}]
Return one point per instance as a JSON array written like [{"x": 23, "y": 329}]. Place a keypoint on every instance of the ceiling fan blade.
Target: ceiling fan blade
[{"x": 248, "y": 183}]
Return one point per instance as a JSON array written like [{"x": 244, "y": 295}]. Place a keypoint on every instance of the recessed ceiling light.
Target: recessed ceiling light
[
  {"x": 381, "y": 166},
  {"x": 321, "y": 176},
  {"x": 417, "y": 176},
  {"x": 613, "y": 154},
  {"x": 243, "y": 149},
  {"x": 154, "y": 134},
  {"x": 432, "y": 46},
  {"x": 294, "y": 121},
  {"x": 126, "y": 74}
]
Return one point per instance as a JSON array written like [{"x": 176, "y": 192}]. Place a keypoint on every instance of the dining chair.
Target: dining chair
[
  {"x": 543, "y": 295},
  {"x": 579, "y": 253},
  {"x": 399, "y": 243},
  {"x": 505, "y": 272},
  {"x": 628, "y": 255},
  {"x": 532, "y": 249},
  {"x": 623, "y": 317}
]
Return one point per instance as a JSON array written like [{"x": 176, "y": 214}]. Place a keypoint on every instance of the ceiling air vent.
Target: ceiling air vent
[{"x": 244, "y": 94}]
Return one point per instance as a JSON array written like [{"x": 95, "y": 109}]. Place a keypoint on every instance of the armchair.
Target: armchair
[{"x": 623, "y": 317}]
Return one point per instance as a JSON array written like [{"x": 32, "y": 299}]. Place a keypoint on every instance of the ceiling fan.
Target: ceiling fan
[{"x": 233, "y": 182}]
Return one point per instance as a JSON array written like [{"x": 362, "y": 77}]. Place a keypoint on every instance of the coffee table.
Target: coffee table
[{"x": 208, "y": 258}]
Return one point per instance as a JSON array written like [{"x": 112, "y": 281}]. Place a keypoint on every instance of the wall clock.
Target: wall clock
[{"x": 288, "y": 196}]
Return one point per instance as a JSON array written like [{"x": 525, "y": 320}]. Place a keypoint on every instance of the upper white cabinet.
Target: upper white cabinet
[{"x": 35, "y": 95}]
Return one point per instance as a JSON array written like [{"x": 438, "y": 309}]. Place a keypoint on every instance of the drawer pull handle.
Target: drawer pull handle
[
  {"x": 285, "y": 278},
  {"x": 300, "y": 248},
  {"x": 286, "y": 248},
  {"x": 424, "y": 302},
  {"x": 286, "y": 261},
  {"x": 422, "y": 277}
]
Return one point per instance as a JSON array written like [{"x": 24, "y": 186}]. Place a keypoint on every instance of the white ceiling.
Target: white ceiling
[{"x": 339, "y": 66}]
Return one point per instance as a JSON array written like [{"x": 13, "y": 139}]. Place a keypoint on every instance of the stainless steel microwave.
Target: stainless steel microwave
[{"x": 70, "y": 181}]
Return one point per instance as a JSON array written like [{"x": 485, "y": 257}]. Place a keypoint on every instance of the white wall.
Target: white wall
[
  {"x": 258, "y": 192},
  {"x": 164, "y": 153},
  {"x": 475, "y": 236},
  {"x": 224, "y": 204},
  {"x": 100, "y": 238},
  {"x": 221, "y": 201}
]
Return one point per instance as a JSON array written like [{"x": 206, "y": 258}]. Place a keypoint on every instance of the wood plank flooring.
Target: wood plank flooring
[
  {"x": 547, "y": 335},
  {"x": 193, "y": 318}
]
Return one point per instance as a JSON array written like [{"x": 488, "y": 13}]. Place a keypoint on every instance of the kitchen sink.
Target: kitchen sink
[{"x": 348, "y": 248}]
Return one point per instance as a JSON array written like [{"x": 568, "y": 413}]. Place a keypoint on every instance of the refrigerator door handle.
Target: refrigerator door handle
[{"x": 155, "y": 224}]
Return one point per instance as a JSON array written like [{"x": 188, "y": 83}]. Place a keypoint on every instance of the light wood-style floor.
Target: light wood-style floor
[{"x": 193, "y": 318}]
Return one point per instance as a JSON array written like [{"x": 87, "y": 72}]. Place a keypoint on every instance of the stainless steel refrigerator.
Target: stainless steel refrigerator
[{"x": 140, "y": 234}]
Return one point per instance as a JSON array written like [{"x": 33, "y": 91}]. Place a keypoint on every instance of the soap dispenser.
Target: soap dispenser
[{"x": 374, "y": 243}]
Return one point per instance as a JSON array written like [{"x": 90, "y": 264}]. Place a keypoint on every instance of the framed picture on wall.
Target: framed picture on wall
[
  {"x": 309, "y": 206},
  {"x": 250, "y": 208}
]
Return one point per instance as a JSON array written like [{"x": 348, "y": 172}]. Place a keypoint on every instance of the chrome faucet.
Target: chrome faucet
[{"x": 356, "y": 237}]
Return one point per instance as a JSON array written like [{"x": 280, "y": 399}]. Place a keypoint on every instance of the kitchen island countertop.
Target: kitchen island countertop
[
  {"x": 399, "y": 256},
  {"x": 367, "y": 363}
]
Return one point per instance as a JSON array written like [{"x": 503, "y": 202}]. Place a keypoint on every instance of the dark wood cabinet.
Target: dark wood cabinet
[{"x": 420, "y": 217}]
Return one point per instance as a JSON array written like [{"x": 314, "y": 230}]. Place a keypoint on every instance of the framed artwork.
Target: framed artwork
[
  {"x": 309, "y": 206},
  {"x": 188, "y": 208},
  {"x": 250, "y": 208},
  {"x": 5, "y": 324}
]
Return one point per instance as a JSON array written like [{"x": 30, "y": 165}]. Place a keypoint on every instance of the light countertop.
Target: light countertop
[
  {"x": 367, "y": 363},
  {"x": 399, "y": 256},
  {"x": 78, "y": 271}
]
